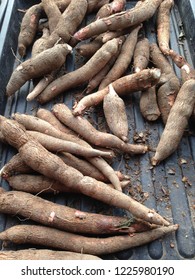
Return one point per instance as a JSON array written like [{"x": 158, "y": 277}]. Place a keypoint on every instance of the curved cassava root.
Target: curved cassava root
[
  {"x": 124, "y": 58},
  {"x": 34, "y": 123},
  {"x": 115, "y": 114},
  {"x": 177, "y": 122},
  {"x": 163, "y": 25},
  {"x": 92, "y": 135},
  {"x": 141, "y": 55},
  {"x": 54, "y": 144},
  {"x": 169, "y": 84},
  {"x": 120, "y": 20},
  {"x": 82, "y": 74},
  {"x": 44, "y": 236},
  {"x": 50, "y": 165},
  {"x": 38, "y": 184},
  {"x": 58, "y": 216},
  {"x": 54, "y": 58},
  {"x": 125, "y": 85}
]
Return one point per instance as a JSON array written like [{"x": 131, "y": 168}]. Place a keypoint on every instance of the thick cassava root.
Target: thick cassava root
[
  {"x": 54, "y": 58},
  {"x": 39, "y": 235},
  {"x": 163, "y": 25},
  {"x": 38, "y": 184},
  {"x": 169, "y": 82},
  {"x": 125, "y": 85},
  {"x": 176, "y": 123},
  {"x": 92, "y": 135},
  {"x": 82, "y": 74},
  {"x": 34, "y": 123},
  {"x": 115, "y": 114},
  {"x": 58, "y": 216},
  {"x": 120, "y": 20},
  {"x": 50, "y": 165}
]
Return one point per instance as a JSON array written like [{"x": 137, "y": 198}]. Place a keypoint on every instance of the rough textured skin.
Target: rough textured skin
[
  {"x": 28, "y": 28},
  {"x": 177, "y": 122},
  {"x": 108, "y": 9},
  {"x": 125, "y": 85},
  {"x": 90, "y": 48},
  {"x": 75, "y": 12},
  {"x": 44, "y": 254},
  {"x": 14, "y": 166},
  {"x": 57, "y": 145},
  {"x": 65, "y": 218},
  {"x": 35, "y": 67},
  {"x": 39, "y": 184},
  {"x": 95, "y": 5},
  {"x": 96, "y": 80},
  {"x": 38, "y": 44},
  {"x": 47, "y": 115},
  {"x": 53, "y": 13},
  {"x": 33, "y": 123},
  {"x": 120, "y": 20},
  {"x": 82, "y": 74},
  {"x": 169, "y": 88},
  {"x": 115, "y": 114},
  {"x": 148, "y": 104},
  {"x": 187, "y": 71},
  {"x": 124, "y": 58},
  {"x": 163, "y": 25},
  {"x": 50, "y": 165},
  {"x": 88, "y": 132},
  {"x": 141, "y": 55},
  {"x": 45, "y": 236}
]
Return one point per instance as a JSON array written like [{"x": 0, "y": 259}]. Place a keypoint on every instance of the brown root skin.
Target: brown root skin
[
  {"x": 124, "y": 58},
  {"x": 148, "y": 104},
  {"x": 109, "y": 35},
  {"x": 96, "y": 80},
  {"x": 125, "y": 85},
  {"x": 42, "y": 84},
  {"x": 44, "y": 254},
  {"x": 169, "y": 84},
  {"x": 89, "y": 49},
  {"x": 58, "y": 216},
  {"x": 28, "y": 28},
  {"x": 95, "y": 5},
  {"x": 14, "y": 166},
  {"x": 33, "y": 123},
  {"x": 108, "y": 9},
  {"x": 93, "y": 136},
  {"x": 176, "y": 122},
  {"x": 120, "y": 20},
  {"x": 115, "y": 114},
  {"x": 160, "y": 60},
  {"x": 44, "y": 236},
  {"x": 39, "y": 43},
  {"x": 82, "y": 74},
  {"x": 56, "y": 145},
  {"x": 53, "y": 13},
  {"x": 163, "y": 25},
  {"x": 166, "y": 95},
  {"x": 47, "y": 116},
  {"x": 141, "y": 55},
  {"x": 187, "y": 71},
  {"x": 38, "y": 184},
  {"x": 35, "y": 67},
  {"x": 75, "y": 11}
]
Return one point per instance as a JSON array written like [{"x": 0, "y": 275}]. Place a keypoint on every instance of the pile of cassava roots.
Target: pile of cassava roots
[{"x": 61, "y": 151}]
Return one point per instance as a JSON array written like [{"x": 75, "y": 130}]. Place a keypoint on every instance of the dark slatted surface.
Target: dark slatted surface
[{"x": 160, "y": 188}]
